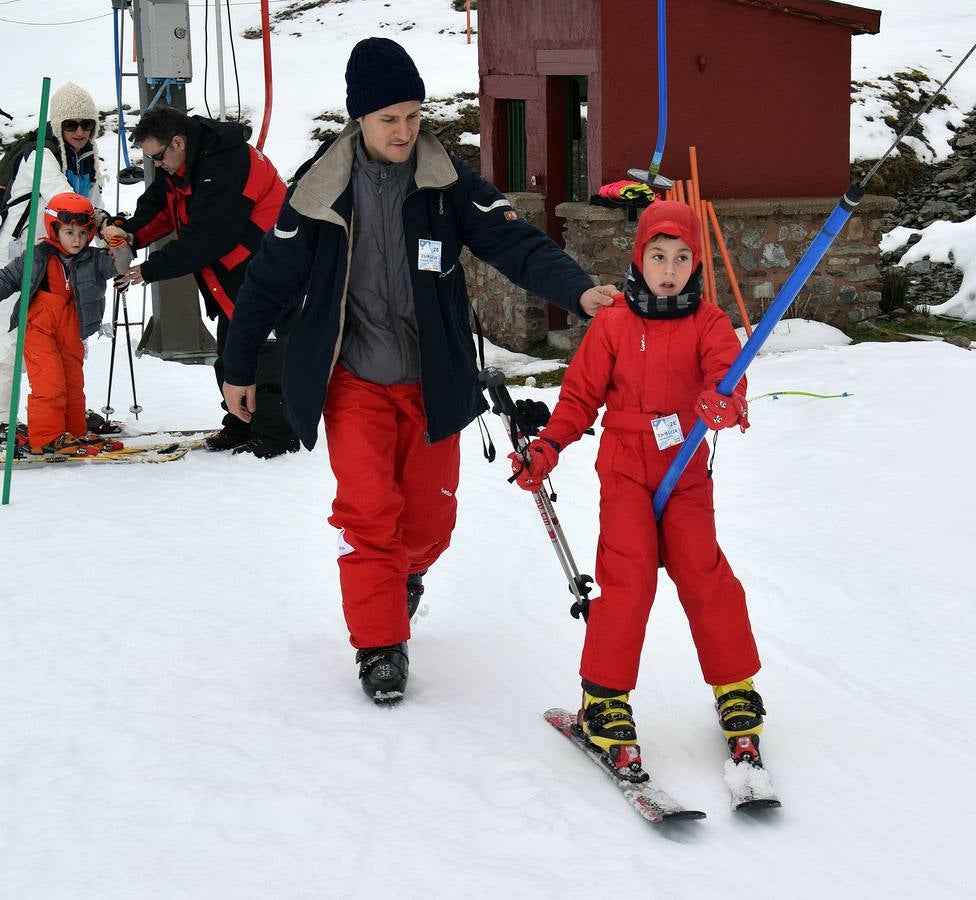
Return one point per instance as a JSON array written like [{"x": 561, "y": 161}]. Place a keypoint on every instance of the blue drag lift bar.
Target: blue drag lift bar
[{"x": 787, "y": 294}]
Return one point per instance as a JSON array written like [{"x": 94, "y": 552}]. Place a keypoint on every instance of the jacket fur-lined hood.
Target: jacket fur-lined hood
[{"x": 318, "y": 190}]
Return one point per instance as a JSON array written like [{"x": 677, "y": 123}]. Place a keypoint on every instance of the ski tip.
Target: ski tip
[
  {"x": 758, "y": 803},
  {"x": 682, "y": 815}
]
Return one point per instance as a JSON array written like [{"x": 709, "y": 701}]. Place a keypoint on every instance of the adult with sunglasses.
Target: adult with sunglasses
[
  {"x": 69, "y": 164},
  {"x": 219, "y": 195}
]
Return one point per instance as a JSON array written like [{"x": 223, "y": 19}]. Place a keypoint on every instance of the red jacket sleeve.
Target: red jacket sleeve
[
  {"x": 584, "y": 388},
  {"x": 717, "y": 348}
]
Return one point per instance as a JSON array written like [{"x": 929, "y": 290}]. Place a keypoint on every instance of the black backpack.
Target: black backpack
[{"x": 10, "y": 162}]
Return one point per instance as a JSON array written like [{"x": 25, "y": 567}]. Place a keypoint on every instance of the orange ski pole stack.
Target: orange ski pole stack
[{"x": 689, "y": 192}]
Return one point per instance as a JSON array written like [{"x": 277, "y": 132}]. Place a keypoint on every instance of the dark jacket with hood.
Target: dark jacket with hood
[
  {"x": 220, "y": 205},
  {"x": 307, "y": 256}
]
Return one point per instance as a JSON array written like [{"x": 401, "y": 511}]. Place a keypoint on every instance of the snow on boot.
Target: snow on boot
[
  {"x": 415, "y": 590},
  {"x": 740, "y": 709},
  {"x": 383, "y": 672},
  {"x": 606, "y": 720}
]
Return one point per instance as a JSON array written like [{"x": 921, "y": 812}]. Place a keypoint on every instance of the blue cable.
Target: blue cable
[{"x": 662, "y": 89}]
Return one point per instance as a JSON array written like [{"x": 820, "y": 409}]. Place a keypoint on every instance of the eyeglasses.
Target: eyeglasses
[
  {"x": 158, "y": 157},
  {"x": 68, "y": 217},
  {"x": 75, "y": 124}
]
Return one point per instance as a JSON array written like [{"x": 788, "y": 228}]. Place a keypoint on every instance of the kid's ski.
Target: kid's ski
[
  {"x": 647, "y": 797},
  {"x": 159, "y": 454},
  {"x": 159, "y": 440},
  {"x": 748, "y": 781}
]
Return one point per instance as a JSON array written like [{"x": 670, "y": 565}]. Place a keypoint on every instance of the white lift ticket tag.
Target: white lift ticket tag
[
  {"x": 429, "y": 257},
  {"x": 667, "y": 431}
]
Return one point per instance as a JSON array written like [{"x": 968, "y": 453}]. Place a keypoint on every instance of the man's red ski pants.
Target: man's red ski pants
[{"x": 395, "y": 500}]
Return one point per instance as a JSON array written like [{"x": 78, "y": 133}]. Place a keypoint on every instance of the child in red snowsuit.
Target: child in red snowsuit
[
  {"x": 67, "y": 302},
  {"x": 654, "y": 359}
]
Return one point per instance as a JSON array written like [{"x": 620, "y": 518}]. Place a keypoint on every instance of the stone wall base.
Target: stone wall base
[{"x": 765, "y": 239}]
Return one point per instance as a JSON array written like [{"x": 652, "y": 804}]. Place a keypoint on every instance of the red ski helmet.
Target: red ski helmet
[
  {"x": 64, "y": 209},
  {"x": 668, "y": 217}
]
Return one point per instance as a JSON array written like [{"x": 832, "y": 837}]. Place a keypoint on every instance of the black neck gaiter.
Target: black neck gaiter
[{"x": 646, "y": 305}]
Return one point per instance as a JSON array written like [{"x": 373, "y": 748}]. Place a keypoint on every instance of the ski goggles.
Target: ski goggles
[
  {"x": 67, "y": 217},
  {"x": 75, "y": 124}
]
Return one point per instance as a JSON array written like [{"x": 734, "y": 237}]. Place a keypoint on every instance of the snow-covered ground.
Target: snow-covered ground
[
  {"x": 181, "y": 715},
  {"x": 179, "y": 707}
]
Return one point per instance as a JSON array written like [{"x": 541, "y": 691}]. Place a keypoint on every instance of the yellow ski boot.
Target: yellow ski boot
[
  {"x": 740, "y": 713},
  {"x": 606, "y": 719}
]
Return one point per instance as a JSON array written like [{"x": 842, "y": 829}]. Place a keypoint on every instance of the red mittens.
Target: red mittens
[
  {"x": 718, "y": 411},
  {"x": 543, "y": 457}
]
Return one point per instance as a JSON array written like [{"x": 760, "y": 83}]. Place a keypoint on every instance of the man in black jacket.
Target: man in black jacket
[
  {"x": 370, "y": 237},
  {"x": 220, "y": 196}
]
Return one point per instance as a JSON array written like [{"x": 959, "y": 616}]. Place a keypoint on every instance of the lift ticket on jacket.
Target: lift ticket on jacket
[
  {"x": 667, "y": 431},
  {"x": 429, "y": 256}
]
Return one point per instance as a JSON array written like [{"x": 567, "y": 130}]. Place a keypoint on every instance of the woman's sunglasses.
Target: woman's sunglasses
[{"x": 75, "y": 124}]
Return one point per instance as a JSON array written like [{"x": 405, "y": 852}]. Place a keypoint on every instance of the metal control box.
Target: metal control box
[{"x": 165, "y": 34}]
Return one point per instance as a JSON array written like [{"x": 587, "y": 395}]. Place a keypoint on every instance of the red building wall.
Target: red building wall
[
  {"x": 511, "y": 35},
  {"x": 764, "y": 95}
]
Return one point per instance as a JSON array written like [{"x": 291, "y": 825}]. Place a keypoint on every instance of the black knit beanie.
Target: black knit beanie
[{"x": 380, "y": 73}]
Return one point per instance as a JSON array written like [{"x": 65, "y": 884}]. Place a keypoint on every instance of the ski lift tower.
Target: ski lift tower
[{"x": 175, "y": 330}]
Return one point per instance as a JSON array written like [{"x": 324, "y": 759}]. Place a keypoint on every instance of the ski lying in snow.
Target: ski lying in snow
[
  {"x": 126, "y": 455},
  {"x": 646, "y": 797},
  {"x": 190, "y": 438},
  {"x": 749, "y": 783}
]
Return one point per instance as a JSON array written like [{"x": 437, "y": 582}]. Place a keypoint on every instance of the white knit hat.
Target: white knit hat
[{"x": 73, "y": 102}]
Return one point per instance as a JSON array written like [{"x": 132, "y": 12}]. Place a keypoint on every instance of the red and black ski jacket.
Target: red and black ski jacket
[{"x": 220, "y": 205}]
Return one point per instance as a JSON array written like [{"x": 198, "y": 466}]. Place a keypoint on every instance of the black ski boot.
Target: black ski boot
[
  {"x": 264, "y": 447},
  {"x": 415, "y": 590},
  {"x": 226, "y": 439},
  {"x": 383, "y": 672}
]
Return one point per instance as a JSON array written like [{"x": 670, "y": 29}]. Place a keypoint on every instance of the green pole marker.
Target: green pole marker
[{"x": 25, "y": 283}]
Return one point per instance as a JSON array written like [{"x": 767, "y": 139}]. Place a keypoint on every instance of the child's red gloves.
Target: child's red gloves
[
  {"x": 543, "y": 457},
  {"x": 718, "y": 411}
]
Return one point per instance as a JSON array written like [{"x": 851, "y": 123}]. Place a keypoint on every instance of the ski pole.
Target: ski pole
[
  {"x": 107, "y": 408},
  {"x": 135, "y": 408},
  {"x": 797, "y": 278},
  {"x": 503, "y": 406}
]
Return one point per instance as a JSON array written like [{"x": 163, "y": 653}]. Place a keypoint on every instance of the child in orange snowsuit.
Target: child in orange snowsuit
[
  {"x": 654, "y": 359},
  {"x": 67, "y": 302}
]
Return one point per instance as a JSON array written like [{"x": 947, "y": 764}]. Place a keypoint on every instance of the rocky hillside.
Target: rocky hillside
[{"x": 927, "y": 193}]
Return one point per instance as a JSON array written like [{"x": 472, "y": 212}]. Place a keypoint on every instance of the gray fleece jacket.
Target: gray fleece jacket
[{"x": 88, "y": 271}]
